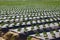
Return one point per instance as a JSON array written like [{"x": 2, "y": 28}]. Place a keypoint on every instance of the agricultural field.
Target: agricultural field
[{"x": 29, "y": 19}]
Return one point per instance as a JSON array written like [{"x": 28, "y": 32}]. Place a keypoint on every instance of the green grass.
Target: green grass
[
  {"x": 29, "y": 2},
  {"x": 32, "y": 3}
]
